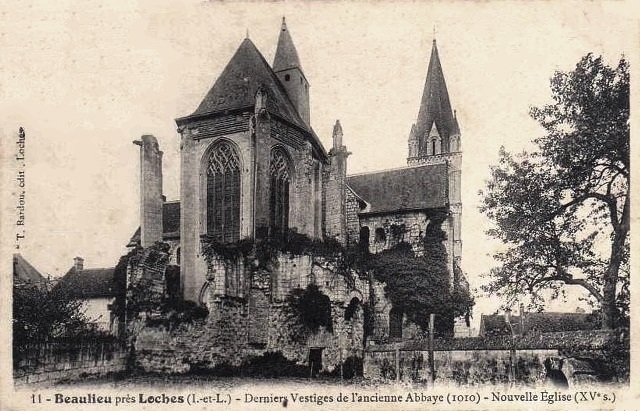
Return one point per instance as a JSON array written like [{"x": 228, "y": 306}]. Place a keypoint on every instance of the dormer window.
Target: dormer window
[{"x": 287, "y": 77}]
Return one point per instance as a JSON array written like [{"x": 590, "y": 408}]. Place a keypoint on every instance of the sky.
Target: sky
[{"x": 86, "y": 79}]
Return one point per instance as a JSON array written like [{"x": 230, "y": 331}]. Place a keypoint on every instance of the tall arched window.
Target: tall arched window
[
  {"x": 395, "y": 323},
  {"x": 223, "y": 193},
  {"x": 279, "y": 201}
]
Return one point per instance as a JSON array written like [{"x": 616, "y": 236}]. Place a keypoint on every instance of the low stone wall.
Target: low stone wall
[
  {"x": 467, "y": 368},
  {"x": 478, "y": 361},
  {"x": 53, "y": 362}
]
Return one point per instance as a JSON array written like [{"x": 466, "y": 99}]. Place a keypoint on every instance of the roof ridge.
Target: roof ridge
[
  {"x": 97, "y": 268},
  {"x": 394, "y": 169}
]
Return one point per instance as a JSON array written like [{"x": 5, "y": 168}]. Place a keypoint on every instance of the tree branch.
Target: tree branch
[{"x": 573, "y": 281}]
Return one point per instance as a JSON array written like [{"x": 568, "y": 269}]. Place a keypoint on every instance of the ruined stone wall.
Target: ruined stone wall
[
  {"x": 414, "y": 223},
  {"x": 239, "y": 328},
  {"x": 381, "y": 311}
]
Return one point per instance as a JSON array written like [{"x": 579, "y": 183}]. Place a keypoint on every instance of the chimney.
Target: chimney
[
  {"x": 151, "y": 198},
  {"x": 78, "y": 263}
]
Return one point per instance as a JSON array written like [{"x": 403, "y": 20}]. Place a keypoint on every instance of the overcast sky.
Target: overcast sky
[{"x": 86, "y": 80}]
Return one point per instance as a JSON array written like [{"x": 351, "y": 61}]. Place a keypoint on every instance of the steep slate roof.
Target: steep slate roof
[
  {"x": 170, "y": 222},
  {"x": 89, "y": 283},
  {"x": 236, "y": 89},
  {"x": 403, "y": 189},
  {"x": 435, "y": 105},
  {"x": 237, "y": 86},
  {"x": 286, "y": 54},
  {"x": 545, "y": 322},
  {"x": 25, "y": 273}
]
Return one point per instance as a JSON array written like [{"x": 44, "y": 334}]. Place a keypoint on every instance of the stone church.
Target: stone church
[{"x": 252, "y": 167}]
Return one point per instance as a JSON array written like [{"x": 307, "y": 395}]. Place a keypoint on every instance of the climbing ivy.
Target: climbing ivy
[
  {"x": 266, "y": 250},
  {"x": 420, "y": 285}
]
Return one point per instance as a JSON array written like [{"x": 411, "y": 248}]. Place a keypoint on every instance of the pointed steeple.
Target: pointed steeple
[
  {"x": 456, "y": 126},
  {"x": 287, "y": 67},
  {"x": 286, "y": 53},
  {"x": 435, "y": 107}
]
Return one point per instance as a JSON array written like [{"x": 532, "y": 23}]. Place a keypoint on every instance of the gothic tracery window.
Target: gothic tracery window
[
  {"x": 223, "y": 193},
  {"x": 280, "y": 178}
]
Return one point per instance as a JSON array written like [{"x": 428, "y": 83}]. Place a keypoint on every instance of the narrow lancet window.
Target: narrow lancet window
[{"x": 280, "y": 176}]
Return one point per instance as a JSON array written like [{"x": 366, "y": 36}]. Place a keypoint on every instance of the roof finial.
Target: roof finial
[
  {"x": 284, "y": 23},
  {"x": 247, "y": 35},
  {"x": 434, "y": 34}
]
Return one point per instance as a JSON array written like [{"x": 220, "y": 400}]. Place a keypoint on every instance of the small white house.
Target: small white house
[{"x": 96, "y": 288}]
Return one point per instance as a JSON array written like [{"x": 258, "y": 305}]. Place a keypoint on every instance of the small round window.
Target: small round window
[{"x": 287, "y": 77}]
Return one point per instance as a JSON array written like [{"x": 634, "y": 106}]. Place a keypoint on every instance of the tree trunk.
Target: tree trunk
[{"x": 609, "y": 308}]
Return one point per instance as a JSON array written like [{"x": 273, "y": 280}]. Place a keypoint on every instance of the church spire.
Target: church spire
[
  {"x": 286, "y": 53},
  {"x": 435, "y": 107},
  {"x": 287, "y": 67}
]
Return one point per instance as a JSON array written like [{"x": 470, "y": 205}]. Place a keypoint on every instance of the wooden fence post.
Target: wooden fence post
[
  {"x": 397, "y": 364},
  {"x": 432, "y": 366}
]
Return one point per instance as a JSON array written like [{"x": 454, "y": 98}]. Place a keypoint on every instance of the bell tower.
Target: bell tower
[
  {"x": 435, "y": 139},
  {"x": 287, "y": 67}
]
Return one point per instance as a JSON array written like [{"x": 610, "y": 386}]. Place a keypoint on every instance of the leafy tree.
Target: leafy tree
[
  {"x": 41, "y": 315},
  {"x": 557, "y": 207}
]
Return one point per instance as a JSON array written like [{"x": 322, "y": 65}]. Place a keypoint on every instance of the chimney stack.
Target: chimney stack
[
  {"x": 151, "y": 198},
  {"x": 78, "y": 263}
]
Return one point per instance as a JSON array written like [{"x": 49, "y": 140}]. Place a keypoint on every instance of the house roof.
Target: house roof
[
  {"x": 544, "y": 322},
  {"x": 170, "y": 223},
  {"x": 556, "y": 322},
  {"x": 24, "y": 272},
  {"x": 496, "y": 325},
  {"x": 89, "y": 283},
  {"x": 404, "y": 189},
  {"x": 435, "y": 106}
]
